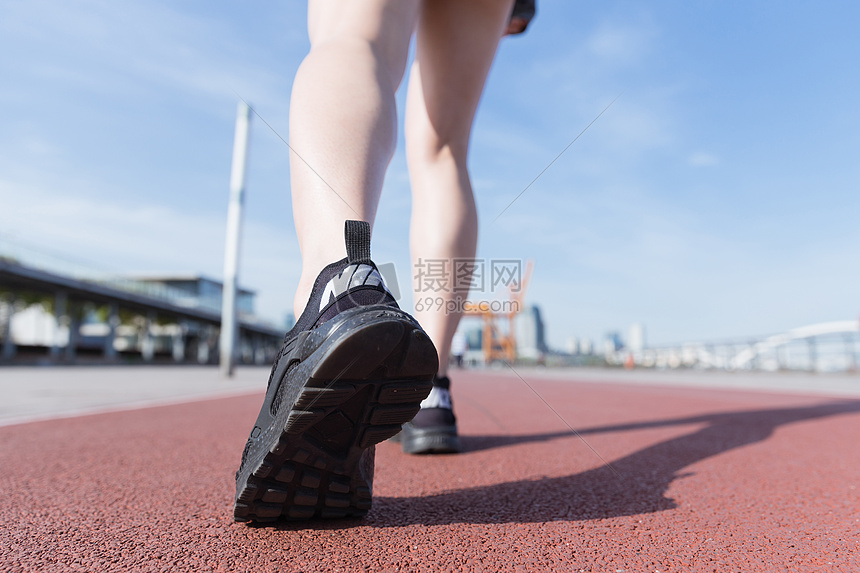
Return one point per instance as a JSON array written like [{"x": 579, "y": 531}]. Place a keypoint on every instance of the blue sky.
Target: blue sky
[{"x": 718, "y": 197}]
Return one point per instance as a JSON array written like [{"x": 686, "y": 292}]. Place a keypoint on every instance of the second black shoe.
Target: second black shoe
[
  {"x": 353, "y": 369},
  {"x": 434, "y": 428}
]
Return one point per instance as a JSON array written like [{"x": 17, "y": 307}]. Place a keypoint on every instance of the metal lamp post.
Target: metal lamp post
[{"x": 229, "y": 323}]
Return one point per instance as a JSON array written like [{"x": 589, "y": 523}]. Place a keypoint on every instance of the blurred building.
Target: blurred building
[
  {"x": 636, "y": 339},
  {"x": 474, "y": 335},
  {"x": 200, "y": 291},
  {"x": 586, "y": 347},
  {"x": 51, "y": 317},
  {"x": 612, "y": 343},
  {"x": 530, "y": 334}
]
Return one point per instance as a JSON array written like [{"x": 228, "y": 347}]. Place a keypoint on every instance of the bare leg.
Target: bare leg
[
  {"x": 343, "y": 122},
  {"x": 456, "y": 44}
]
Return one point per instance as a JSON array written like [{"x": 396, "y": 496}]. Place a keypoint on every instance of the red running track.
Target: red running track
[{"x": 700, "y": 480}]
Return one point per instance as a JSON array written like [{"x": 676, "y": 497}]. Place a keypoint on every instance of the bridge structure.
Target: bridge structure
[
  {"x": 823, "y": 347},
  {"x": 140, "y": 321}
]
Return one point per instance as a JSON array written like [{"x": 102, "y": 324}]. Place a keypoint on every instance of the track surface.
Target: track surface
[{"x": 699, "y": 480}]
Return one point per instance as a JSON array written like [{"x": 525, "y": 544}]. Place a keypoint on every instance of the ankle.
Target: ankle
[{"x": 303, "y": 293}]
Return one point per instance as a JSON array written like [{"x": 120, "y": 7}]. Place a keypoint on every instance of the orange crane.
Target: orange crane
[{"x": 499, "y": 343}]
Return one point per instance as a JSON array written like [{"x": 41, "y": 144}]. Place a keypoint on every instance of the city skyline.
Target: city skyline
[{"x": 716, "y": 198}]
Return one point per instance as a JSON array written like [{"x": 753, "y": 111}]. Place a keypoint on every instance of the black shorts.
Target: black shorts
[{"x": 524, "y": 11}]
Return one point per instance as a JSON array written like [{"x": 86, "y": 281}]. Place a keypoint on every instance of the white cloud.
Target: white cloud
[
  {"x": 137, "y": 49},
  {"x": 703, "y": 159},
  {"x": 622, "y": 43},
  {"x": 37, "y": 146}
]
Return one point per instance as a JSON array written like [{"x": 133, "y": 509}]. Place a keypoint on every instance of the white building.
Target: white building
[{"x": 636, "y": 338}]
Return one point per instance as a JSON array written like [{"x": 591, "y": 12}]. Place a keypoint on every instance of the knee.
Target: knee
[
  {"x": 429, "y": 147},
  {"x": 357, "y": 50}
]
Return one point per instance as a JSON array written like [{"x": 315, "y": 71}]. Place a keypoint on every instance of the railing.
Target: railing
[{"x": 826, "y": 347}]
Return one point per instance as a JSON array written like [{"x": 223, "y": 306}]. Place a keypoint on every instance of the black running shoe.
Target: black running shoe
[
  {"x": 434, "y": 428},
  {"x": 353, "y": 369}
]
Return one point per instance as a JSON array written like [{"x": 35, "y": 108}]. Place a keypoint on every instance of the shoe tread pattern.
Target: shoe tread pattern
[{"x": 321, "y": 464}]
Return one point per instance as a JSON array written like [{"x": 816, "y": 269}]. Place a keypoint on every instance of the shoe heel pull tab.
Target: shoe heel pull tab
[{"x": 357, "y": 237}]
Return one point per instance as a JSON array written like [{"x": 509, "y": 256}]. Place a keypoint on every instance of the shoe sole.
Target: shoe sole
[
  {"x": 358, "y": 388},
  {"x": 437, "y": 440}
]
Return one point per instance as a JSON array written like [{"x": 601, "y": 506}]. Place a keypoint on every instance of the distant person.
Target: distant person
[
  {"x": 355, "y": 367},
  {"x": 458, "y": 348}
]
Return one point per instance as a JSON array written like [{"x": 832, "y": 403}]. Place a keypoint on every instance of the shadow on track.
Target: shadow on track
[{"x": 639, "y": 486}]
